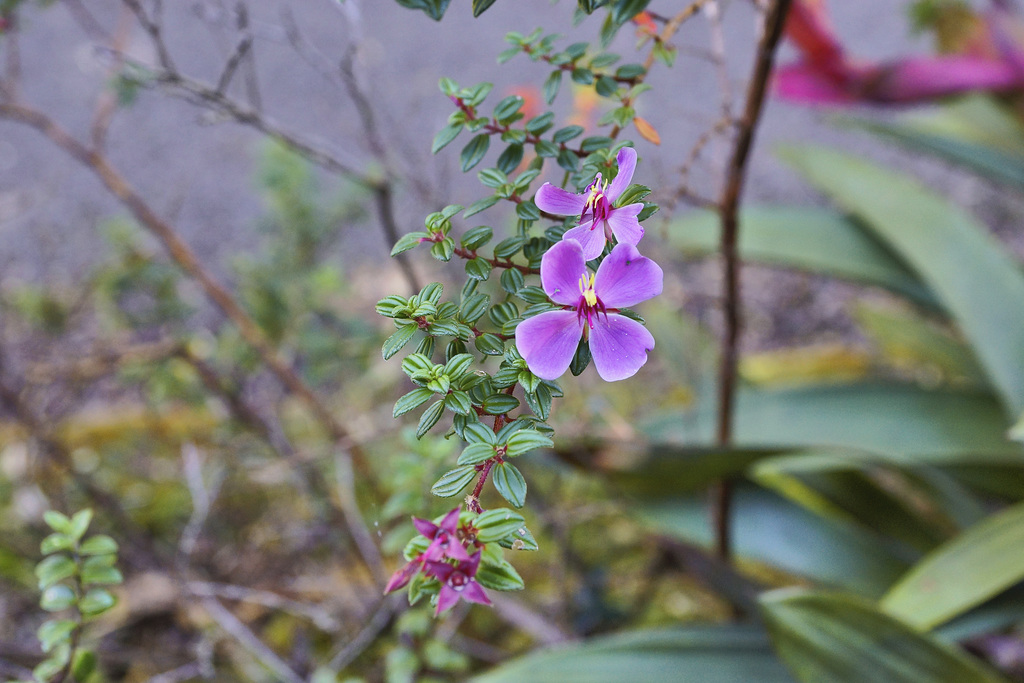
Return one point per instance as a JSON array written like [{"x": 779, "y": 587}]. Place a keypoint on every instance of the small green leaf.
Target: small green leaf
[
  {"x": 568, "y": 133},
  {"x": 83, "y": 664},
  {"x": 478, "y": 236},
  {"x": 509, "y": 482},
  {"x": 407, "y": 242},
  {"x": 474, "y": 307},
  {"x": 101, "y": 576},
  {"x": 53, "y": 569},
  {"x": 507, "y": 107},
  {"x": 53, "y": 632},
  {"x": 495, "y": 525},
  {"x": 474, "y": 152},
  {"x": 96, "y": 601},
  {"x": 100, "y": 544},
  {"x": 540, "y": 124},
  {"x": 546, "y": 149},
  {"x": 458, "y": 365},
  {"x": 521, "y": 539},
  {"x": 414, "y": 399},
  {"x": 500, "y": 404},
  {"x": 58, "y": 522},
  {"x": 478, "y": 433},
  {"x": 453, "y": 481},
  {"x": 56, "y": 542},
  {"x": 481, "y": 205},
  {"x": 476, "y": 453},
  {"x": 527, "y": 210},
  {"x": 630, "y": 71},
  {"x": 489, "y": 344},
  {"x": 592, "y": 144},
  {"x": 568, "y": 160},
  {"x": 429, "y": 418},
  {"x": 478, "y": 268},
  {"x": 502, "y": 577},
  {"x": 510, "y": 158},
  {"x": 57, "y": 598},
  {"x": 398, "y": 340},
  {"x": 526, "y": 440},
  {"x": 458, "y": 402},
  {"x": 445, "y": 136},
  {"x": 581, "y": 359},
  {"x": 512, "y": 281},
  {"x": 552, "y": 85}
]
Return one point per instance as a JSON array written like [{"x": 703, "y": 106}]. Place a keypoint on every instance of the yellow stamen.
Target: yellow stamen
[{"x": 587, "y": 289}]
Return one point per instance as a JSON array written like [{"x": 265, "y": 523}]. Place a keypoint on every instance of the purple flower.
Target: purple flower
[
  {"x": 599, "y": 220},
  {"x": 618, "y": 344},
  {"x": 457, "y": 581},
  {"x": 440, "y": 547}
]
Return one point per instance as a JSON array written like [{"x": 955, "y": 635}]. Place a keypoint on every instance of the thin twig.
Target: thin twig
[
  {"x": 233, "y": 626},
  {"x": 730, "y": 202},
  {"x": 153, "y": 28},
  {"x": 320, "y": 618},
  {"x": 376, "y": 624}
]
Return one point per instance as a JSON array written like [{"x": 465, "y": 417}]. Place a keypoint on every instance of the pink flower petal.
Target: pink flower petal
[
  {"x": 627, "y": 165},
  {"x": 446, "y": 599},
  {"x": 451, "y": 521},
  {"x": 590, "y": 237},
  {"x": 560, "y": 271},
  {"x": 548, "y": 342},
  {"x": 402, "y": 576},
  {"x": 625, "y": 278},
  {"x": 555, "y": 200},
  {"x": 425, "y": 527},
  {"x": 475, "y": 593},
  {"x": 624, "y": 225},
  {"x": 619, "y": 346},
  {"x": 457, "y": 552}
]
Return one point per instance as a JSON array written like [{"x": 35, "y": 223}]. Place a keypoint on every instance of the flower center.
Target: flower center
[
  {"x": 596, "y": 205},
  {"x": 589, "y": 305},
  {"x": 458, "y": 580}
]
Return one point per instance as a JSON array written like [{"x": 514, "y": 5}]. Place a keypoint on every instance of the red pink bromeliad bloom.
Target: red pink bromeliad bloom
[{"x": 986, "y": 55}]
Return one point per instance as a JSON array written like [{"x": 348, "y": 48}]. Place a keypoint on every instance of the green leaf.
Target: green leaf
[
  {"x": 57, "y": 598},
  {"x": 835, "y": 637},
  {"x": 630, "y": 71},
  {"x": 500, "y": 577},
  {"x": 446, "y": 135},
  {"x": 53, "y": 632},
  {"x": 478, "y": 268},
  {"x": 540, "y": 124},
  {"x": 479, "y": 6},
  {"x": 453, "y": 481},
  {"x": 527, "y": 210},
  {"x": 490, "y": 345},
  {"x": 101, "y": 576},
  {"x": 594, "y": 143},
  {"x": 812, "y": 239},
  {"x": 510, "y": 158},
  {"x": 57, "y": 521},
  {"x": 978, "y": 132},
  {"x": 507, "y": 107},
  {"x": 481, "y": 205},
  {"x": 500, "y": 404},
  {"x": 981, "y": 562},
  {"x": 100, "y": 544},
  {"x": 566, "y": 134},
  {"x": 414, "y": 399},
  {"x": 512, "y": 280},
  {"x": 526, "y": 440},
  {"x": 521, "y": 539},
  {"x": 474, "y": 152},
  {"x": 552, "y": 85},
  {"x": 407, "y": 242},
  {"x": 399, "y": 339},
  {"x": 494, "y": 525},
  {"x": 624, "y": 10},
  {"x": 458, "y": 402},
  {"x": 477, "y": 237},
  {"x": 55, "y": 543},
  {"x": 509, "y": 482},
  {"x": 83, "y": 664},
  {"x": 433, "y": 8},
  {"x": 53, "y": 569},
  {"x": 731, "y": 654},
  {"x": 96, "y": 601},
  {"x": 429, "y": 418},
  {"x": 476, "y": 453},
  {"x": 972, "y": 275}
]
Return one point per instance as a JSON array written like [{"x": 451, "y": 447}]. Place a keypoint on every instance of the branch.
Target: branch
[{"x": 729, "y": 212}]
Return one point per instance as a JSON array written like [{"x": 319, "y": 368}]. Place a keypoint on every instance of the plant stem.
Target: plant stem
[{"x": 729, "y": 214}]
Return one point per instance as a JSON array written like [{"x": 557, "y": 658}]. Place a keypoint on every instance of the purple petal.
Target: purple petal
[
  {"x": 560, "y": 271},
  {"x": 627, "y": 164},
  {"x": 625, "y": 278},
  {"x": 446, "y": 599},
  {"x": 425, "y": 527},
  {"x": 624, "y": 224},
  {"x": 590, "y": 237},
  {"x": 472, "y": 564},
  {"x": 402, "y": 576},
  {"x": 619, "y": 346},
  {"x": 451, "y": 521},
  {"x": 548, "y": 342},
  {"x": 457, "y": 551},
  {"x": 553, "y": 199},
  {"x": 927, "y": 78},
  {"x": 475, "y": 593},
  {"x": 440, "y": 570}
]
